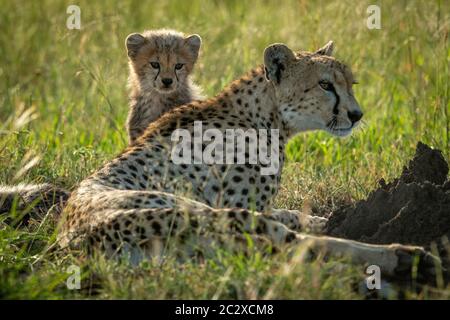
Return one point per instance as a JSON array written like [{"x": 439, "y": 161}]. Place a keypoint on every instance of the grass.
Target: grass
[{"x": 63, "y": 103}]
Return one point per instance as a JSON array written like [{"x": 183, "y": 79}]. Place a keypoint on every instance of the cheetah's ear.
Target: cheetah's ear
[
  {"x": 276, "y": 58},
  {"x": 326, "y": 50},
  {"x": 133, "y": 43},
  {"x": 194, "y": 42}
]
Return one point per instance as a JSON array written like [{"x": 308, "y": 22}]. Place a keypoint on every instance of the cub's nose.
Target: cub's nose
[
  {"x": 354, "y": 116},
  {"x": 167, "y": 81}
]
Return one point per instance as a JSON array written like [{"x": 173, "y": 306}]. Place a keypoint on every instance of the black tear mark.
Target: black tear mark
[
  {"x": 336, "y": 104},
  {"x": 156, "y": 77}
]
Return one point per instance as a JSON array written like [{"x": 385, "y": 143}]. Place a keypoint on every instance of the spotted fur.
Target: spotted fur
[
  {"x": 148, "y": 101},
  {"x": 141, "y": 201},
  {"x": 161, "y": 62},
  {"x": 32, "y": 200}
]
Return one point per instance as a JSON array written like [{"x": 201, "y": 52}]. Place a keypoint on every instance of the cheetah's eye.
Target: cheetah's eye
[
  {"x": 155, "y": 65},
  {"x": 178, "y": 66},
  {"x": 328, "y": 86}
]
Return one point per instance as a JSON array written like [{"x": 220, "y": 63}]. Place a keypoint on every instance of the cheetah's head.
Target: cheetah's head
[
  {"x": 313, "y": 90},
  {"x": 162, "y": 59}
]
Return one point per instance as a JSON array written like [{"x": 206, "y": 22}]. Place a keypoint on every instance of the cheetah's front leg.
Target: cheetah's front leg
[
  {"x": 394, "y": 260},
  {"x": 299, "y": 221}
]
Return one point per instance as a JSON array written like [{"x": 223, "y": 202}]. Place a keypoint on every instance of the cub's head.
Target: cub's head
[
  {"x": 314, "y": 90},
  {"x": 162, "y": 59}
]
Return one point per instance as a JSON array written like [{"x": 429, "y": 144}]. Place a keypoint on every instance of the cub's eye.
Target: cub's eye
[
  {"x": 155, "y": 65},
  {"x": 328, "y": 86},
  {"x": 178, "y": 66}
]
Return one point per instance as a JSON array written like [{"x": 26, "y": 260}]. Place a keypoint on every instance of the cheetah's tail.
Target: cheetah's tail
[{"x": 34, "y": 199}]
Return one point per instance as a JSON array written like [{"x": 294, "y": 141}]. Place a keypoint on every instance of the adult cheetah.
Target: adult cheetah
[{"x": 142, "y": 200}]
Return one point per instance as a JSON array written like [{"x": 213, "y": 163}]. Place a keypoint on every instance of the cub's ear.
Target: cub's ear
[
  {"x": 276, "y": 58},
  {"x": 133, "y": 43},
  {"x": 193, "y": 42},
  {"x": 326, "y": 50}
]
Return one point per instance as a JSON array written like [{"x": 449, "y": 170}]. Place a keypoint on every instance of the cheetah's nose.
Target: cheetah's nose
[
  {"x": 354, "y": 116},
  {"x": 167, "y": 81}
]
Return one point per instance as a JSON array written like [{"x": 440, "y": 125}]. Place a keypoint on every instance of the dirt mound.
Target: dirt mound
[{"x": 413, "y": 209}]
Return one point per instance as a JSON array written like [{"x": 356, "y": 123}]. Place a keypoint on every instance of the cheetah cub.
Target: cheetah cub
[{"x": 161, "y": 63}]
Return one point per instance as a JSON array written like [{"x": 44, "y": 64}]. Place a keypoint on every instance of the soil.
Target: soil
[{"x": 412, "y": 209}]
